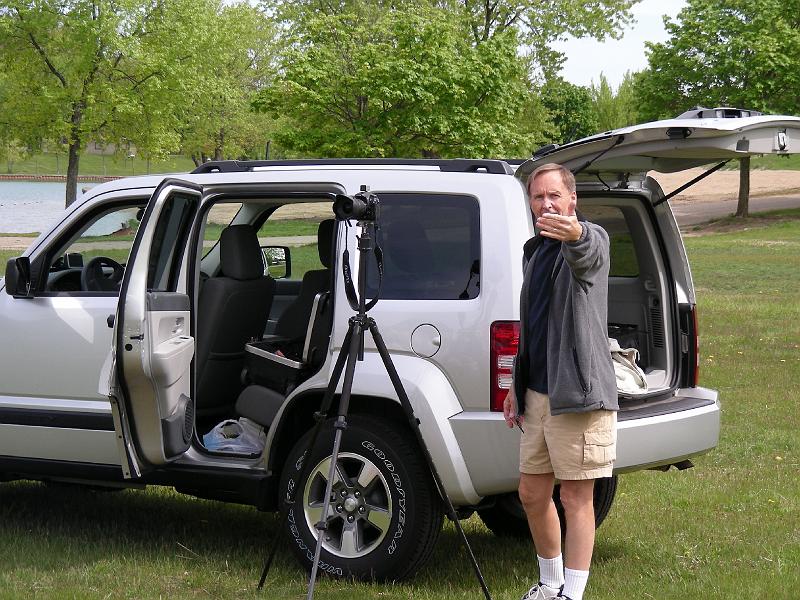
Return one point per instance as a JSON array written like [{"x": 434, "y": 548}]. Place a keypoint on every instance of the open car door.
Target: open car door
[{"x": 151, "y": 395}]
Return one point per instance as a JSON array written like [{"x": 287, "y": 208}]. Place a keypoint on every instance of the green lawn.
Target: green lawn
[
  {"x": 729, "y": 528},
  {"x": 95, "y": 164}
]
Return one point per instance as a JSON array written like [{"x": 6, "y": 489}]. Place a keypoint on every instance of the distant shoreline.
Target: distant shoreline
[{"x": 58, "y": 178}]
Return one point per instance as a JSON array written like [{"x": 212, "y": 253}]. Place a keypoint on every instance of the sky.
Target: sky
[{"x": 587, "y": 58}]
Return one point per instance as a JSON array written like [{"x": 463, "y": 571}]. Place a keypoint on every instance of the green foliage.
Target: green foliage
[
  {"x": 381, "y": 82},
  {"x": 113, "y": 71},
  {"x": 570, "y": 110},
  {"x": 538, "y": 24},
  {"x": 222, "y": 123},
  {"x": 614, "y": 109},
  {"x": 741, "y": 53}
]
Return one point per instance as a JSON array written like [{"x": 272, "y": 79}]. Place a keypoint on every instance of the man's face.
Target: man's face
[{"x": 548, "y": 194}]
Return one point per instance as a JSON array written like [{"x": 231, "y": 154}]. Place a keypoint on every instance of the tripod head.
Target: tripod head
[{"x": 364, "y": 207}]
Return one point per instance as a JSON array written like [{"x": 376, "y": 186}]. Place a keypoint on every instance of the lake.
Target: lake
[{"x": 30, "y": 206}]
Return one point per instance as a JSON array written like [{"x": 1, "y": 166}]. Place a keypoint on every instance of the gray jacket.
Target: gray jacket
[{"x": 580, "y": 373}]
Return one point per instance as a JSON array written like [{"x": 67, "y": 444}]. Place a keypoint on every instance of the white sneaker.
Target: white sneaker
[{"x": 541, "y": 592}]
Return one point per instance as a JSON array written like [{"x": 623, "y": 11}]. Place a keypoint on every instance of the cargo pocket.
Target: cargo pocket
[{"x": 599, "y": 448}]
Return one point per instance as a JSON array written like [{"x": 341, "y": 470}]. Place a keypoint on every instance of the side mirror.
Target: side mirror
[
  {"x": 18, "y": 277},
  {"x": 277, "y": 261}
]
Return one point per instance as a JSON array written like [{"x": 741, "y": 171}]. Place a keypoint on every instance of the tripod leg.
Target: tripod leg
[
  {"x": 340, "y": 425},
  {"x": 412, "y": 421},
  {"x": 325, "y": 406}
]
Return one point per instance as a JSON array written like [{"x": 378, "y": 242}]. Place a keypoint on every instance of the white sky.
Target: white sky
[{"x": 587, "y": 58}]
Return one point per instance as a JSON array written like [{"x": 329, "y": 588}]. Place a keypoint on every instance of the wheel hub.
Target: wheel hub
[{"x": 360, "y": 509}]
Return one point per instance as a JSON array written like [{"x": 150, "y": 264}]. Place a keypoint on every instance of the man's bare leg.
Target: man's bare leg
[
  {"x": 577, "y": 497},
  {"x": 536, "y": 495}
]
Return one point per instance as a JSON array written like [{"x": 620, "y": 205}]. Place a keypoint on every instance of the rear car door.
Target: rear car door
[{"x": 153, "y": 349}]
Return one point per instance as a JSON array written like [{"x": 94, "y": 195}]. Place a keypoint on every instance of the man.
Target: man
[{"x": 564, "y": 394}]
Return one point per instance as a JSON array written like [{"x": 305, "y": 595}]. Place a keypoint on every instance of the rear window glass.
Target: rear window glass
[
  {"x": 431, "y": 247},
  {"x": 623, "y": 252}
]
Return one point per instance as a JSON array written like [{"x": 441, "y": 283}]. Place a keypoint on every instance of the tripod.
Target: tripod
[{"x": 353, "y": 350}]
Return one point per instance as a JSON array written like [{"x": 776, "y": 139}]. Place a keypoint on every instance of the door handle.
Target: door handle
[{"x": 110, "y": 321}]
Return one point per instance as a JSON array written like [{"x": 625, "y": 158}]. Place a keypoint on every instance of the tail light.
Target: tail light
[
  {"x": 696, "y": 375},
  {"x": 504, "y": 341},
  {"x": 690, "y": 345}
]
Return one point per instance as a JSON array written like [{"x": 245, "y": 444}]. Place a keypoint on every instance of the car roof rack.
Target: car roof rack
[
  {"x": 447, "y": 165},
  {"x": 720, "y": 112}
]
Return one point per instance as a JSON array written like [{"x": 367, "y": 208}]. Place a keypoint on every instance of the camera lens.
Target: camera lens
[{"x": 346, "y": 207}]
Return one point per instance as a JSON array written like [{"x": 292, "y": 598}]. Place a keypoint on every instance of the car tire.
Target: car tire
[
  {"x": 507, "y": 517},
  {"x": 387, "y": 515}
]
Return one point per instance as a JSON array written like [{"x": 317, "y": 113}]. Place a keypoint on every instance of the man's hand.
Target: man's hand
[
  {"x": 510, "y": 410},
  {"x": 560, "y": 227}
]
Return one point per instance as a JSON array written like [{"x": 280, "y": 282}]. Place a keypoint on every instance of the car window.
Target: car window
[
  {"x": 169, "y": 237},
  {"x": 295, "y": 225},
  {"x": 623, "y": 252},
  {"x": 103, "y": 243},
  {"x": 431, "y": 247}
]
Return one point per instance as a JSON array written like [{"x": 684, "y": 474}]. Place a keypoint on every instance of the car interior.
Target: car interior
[
  {"x": 638, "y": 286},
  {"x": 260, "y": 334}
]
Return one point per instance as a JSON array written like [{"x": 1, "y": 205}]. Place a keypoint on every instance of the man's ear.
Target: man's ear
[{"x": 573, "y": 204}]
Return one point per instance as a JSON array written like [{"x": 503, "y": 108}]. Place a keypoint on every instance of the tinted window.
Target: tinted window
[
  {"x": 431, "y": 247},
  {"x": 169, "y": 241},
  {"x": 623, "y": 252}
]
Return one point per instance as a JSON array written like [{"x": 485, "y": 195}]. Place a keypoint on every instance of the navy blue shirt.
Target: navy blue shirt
[{"x": 538, "y": 307}]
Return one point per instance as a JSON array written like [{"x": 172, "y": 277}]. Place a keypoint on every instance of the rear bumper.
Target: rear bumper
[
  {"x": 688, "y": 425},
  {"x": 654, "y": 434}
]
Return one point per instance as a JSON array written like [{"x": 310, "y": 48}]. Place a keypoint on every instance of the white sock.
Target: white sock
[
  {"x": 575, "y": 583},
  {"x": 551, "y": 571}
]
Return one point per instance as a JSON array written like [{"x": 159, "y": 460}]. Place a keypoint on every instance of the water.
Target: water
[{"x": 31, "y": 206}]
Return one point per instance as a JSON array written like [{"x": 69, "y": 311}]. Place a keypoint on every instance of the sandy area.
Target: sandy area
[{"x": 724, "y": 185}]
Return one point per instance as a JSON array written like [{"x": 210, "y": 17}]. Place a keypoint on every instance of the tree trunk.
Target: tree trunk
[
  {"x": 266, "y": 150},
  {"x": 72, "y": 172},
  {"x": 74, "y": 153},
  {"x": 744, "y": 187},
  {"x": 197, "y": 162}
]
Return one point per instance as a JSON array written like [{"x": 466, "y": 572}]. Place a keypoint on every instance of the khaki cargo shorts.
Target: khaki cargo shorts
[{"x": 571, "y": 445}]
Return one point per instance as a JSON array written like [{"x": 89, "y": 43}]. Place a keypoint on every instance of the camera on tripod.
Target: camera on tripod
[{"x": 361, "y": 207}]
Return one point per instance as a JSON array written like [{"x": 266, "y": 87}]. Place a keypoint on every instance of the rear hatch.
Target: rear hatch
[{"x": 671, "y": 145}]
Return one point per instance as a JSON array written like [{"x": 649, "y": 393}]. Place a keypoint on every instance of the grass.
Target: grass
[
  {"x": 789, "y": 162},
  {"x": 95, "y": 164},
  {"x": 729, "y": 528},
  {"x": 276, "y": 228}
]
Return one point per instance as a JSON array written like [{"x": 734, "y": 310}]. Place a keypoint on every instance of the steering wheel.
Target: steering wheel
[{"x": 94, "y": 278}]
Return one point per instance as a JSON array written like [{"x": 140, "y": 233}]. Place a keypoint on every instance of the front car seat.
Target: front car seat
[{"x": 233, "y": 309}]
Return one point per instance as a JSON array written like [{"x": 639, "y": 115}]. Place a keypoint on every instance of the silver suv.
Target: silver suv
[{"x": 137, "y": 324}]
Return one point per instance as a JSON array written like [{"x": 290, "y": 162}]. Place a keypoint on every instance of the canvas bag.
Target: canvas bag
[{"x": 630, "y": 377}]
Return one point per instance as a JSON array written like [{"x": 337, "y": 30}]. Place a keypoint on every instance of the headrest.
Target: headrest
[
  {"x": 325, "y": 241},
  {"x": 240, "y": 253}
]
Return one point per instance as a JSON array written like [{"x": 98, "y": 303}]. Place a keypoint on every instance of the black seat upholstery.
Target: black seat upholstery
[
  {"x": 232, "y": 310},
  {"x": 293, "y": 323}
]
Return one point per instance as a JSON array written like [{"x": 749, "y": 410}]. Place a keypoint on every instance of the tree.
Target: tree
[
  {"x": 538, "y": 23},
  {"x": 223, "y": 123},
  {"x": 740, "y": 53},
  {"x": 614, "y": 109},
  {"x": 570, "y": 109},
  {"x": 375, "y": 81},
  {"x": 105, "y": 69}
]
